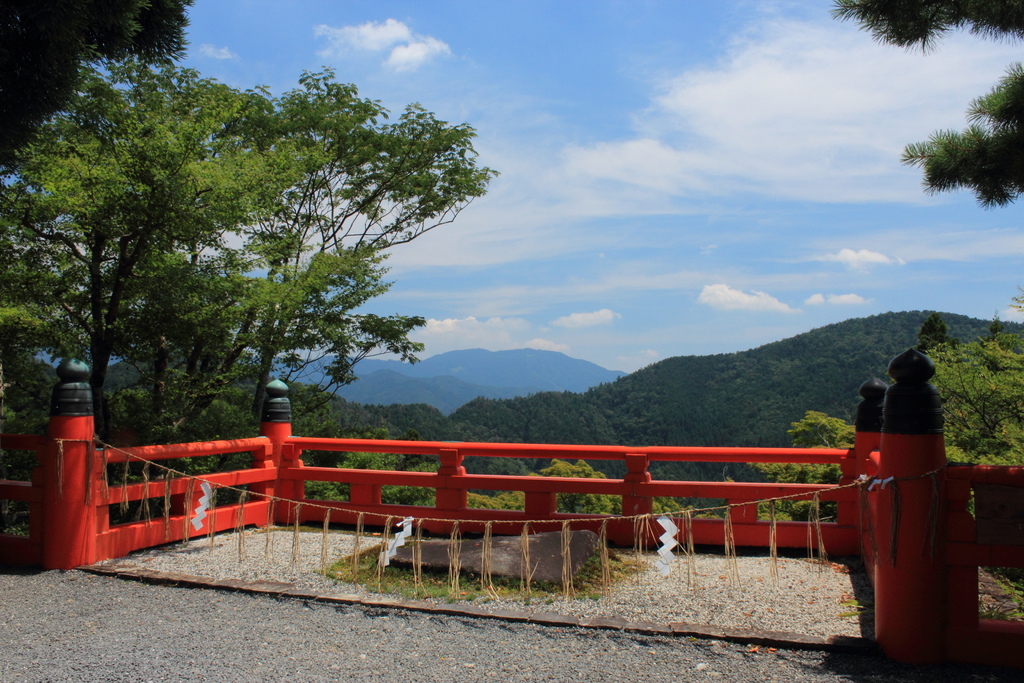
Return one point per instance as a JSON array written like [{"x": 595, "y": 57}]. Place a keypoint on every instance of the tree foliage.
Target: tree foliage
[
  {"x": 986, "y": 157},
  {"x": 934, "y": 332},
  {"x": 205, "y": 235},
  {"x": 982, "y": 389},
  {"x": 44, "y": 42}
]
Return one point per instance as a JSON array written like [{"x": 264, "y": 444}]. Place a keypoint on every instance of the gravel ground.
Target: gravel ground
[
  {"x": 73, "y": 626},
  {"x": 807, "y": 598}
]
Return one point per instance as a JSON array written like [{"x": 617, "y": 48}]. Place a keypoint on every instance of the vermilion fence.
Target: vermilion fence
[{"x": 899, "y": 504}]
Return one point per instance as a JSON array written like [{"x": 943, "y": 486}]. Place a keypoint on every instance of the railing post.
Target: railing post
[
  {"x": 868, "y": 423},
  {"x": 868, "y": 435},
  {"x": 69, "y": 515},
  {"x": 276, "y": 425},
  {"x": 910, "y": 574},
  {"x": 450, "y": 497},
  {"x": 636, "y": 473}
]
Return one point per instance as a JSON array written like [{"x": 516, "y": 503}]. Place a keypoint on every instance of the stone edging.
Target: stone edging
[{"x": 779, "y": 639}]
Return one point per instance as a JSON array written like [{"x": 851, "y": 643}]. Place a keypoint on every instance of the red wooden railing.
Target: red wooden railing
[{"x": 899, "y": 505}]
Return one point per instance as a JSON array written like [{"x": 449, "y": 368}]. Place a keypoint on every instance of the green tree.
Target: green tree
[
  {"x": 146, "y": 164},
  {"x": 44, "y": 42},
  {"x": 982, "y": 389},
  {"x": 591, "y": 503},
  {"x": 934, "y": 332},
  {"x": 364, "y": 185},
  {"x": 988, "y": 156},
  {"x": 815, "y": 430},
  {"x": 205, "y": 235}
]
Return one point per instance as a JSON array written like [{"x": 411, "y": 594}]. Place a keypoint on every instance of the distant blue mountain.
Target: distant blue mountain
[{"x": 449, "y": 380}]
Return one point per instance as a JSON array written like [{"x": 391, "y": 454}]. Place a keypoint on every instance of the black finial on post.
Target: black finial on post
[
  {"x": 276, "y": 406},
  {"x": 72, "y": 396},
  {"x": 912, "y": 405},
  {"x": 869, "y": 411}
]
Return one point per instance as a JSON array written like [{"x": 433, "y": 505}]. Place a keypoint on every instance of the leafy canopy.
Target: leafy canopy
[
  {"x": 44, "y": 42},
  {"x": 988, "y": 156},
  {"x": 205, "y": 236}
]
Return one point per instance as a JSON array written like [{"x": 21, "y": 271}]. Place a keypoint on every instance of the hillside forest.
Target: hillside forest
[{"x": 801, "y": 390}]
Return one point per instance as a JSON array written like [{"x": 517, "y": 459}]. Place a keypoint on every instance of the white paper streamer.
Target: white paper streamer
[
  {"x": 204, "y": 505},
  {"x": 668, "y": 541},
  {"x": 397, "y": 541},
  {"x": 881, "y": 482}
]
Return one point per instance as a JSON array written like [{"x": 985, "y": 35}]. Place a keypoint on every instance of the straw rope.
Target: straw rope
[
  {"x": 167, "y": 506},
  {"x": 894, "y": 521},
  {"x": 355, "y": 548},
  {"x": 642, "y": 520},
  {"x": 124, "y": 489},
  {"x": 240, "y": 524},
  {"x": 323, "y": 541},
  {"x": 642, "y": 525},
  {"x": 385, "y": 540},
  {"x": 568, "y": 589},
  {"x": 606, "y": 567},
  {"x": 417, "y": 559},
  {"x": 211, "y": 511},
  {"x": 485, "y": 558},
  {"x": 526, "y": 571},
  {"x": 733, "y": 571},
  {"x": 296, "y": 545},
  {"x": 454, "y": 559},
  {"x": 145, "y": 487},
  {"x": 773, "y": 546},
  {"x": 268, "y": 544},
  {"x": 690, "y": 550},
  {"x": 60, "y": 468},
  {"x": 185, "y": 535}
]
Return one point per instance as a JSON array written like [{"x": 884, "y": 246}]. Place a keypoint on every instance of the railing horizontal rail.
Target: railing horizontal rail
[
  {"x": 157, "y": 487},
  {"x": 122, "y": 539},
  {"x": 189, "y": 450},
  {"x": 22, "y": 491},
  {"x": 21, "y": 442},
  {"x": 987, "y": 474},
  {"x": 734, "y": 491},
  {"x": 660, "y": 453}
]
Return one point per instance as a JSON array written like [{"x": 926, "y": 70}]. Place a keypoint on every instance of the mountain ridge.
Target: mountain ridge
[{"x": 449, "y": 380}]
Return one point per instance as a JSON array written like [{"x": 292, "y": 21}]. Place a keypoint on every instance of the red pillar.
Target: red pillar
[
  {"x": 69, "y": 512},
  {"x": 449, "y": 495},
  {"x": 276, "y": 425},
  {"x": 867, "y": 439},
  {"x": 911, "y": 584},
  {"x": 637, "y": 473}
]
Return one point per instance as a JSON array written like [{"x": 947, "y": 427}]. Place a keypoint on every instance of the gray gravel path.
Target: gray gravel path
[
  {"x": 807, "y": 598},
  {"x": 73, "y": 626}
]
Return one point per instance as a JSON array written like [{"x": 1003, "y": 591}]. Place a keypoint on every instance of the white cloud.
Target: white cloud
[
  {"x": 546, "y": 345},
  {"x": 494, "y": 334},
  {"x": 1012, "y": 314},
  {"x": 369, "y": 36},
  {"x": 725, "y": 298},
  {"x": 208, "y": 50},
  {"x": 814, "y": 111},
  {"x": 835, "y": 300},
  {"x": 602, "y": 317},
  {"x": 408, "y": 51},
  {"x": 409, "y": 57},
  {"x": 860, "y": 260}
]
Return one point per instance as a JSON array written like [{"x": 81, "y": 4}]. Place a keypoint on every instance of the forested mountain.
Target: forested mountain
[
  {"x": 748, "y": 398},
  {"x": 446, "y": 393},
  {"x": 449, "y": 380}
]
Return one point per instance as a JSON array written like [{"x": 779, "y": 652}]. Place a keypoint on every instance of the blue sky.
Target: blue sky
[{"x": 677, "y": 177}]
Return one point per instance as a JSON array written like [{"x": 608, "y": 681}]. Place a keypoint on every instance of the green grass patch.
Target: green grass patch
[{"x": 587, "y": 584}]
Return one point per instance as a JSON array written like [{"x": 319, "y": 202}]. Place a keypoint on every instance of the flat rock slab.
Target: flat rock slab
[{"x": 507, "y": 555}]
